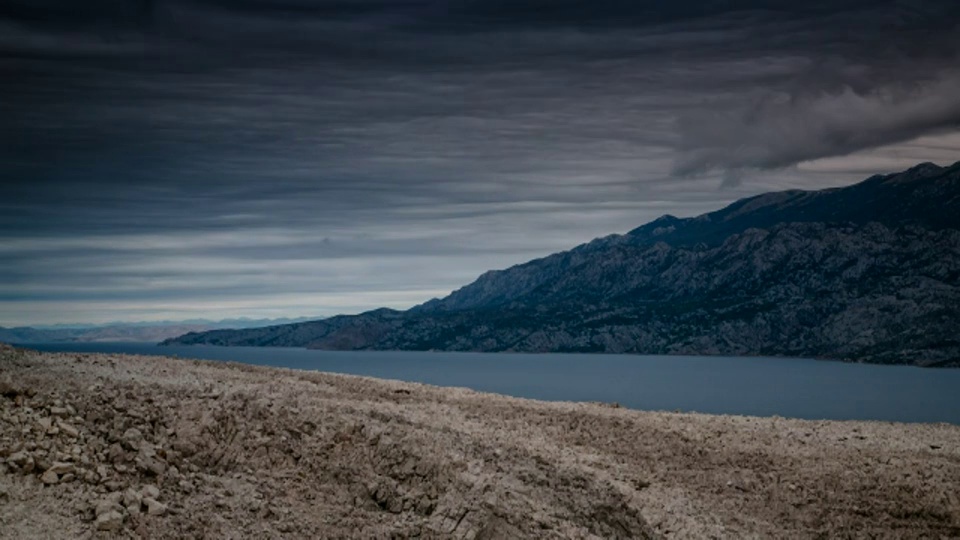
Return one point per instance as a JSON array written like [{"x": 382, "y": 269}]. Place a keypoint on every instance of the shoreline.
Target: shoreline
[
  {"x": 805, "y": 388},
  {"x": 945, "y": 364},
  {"x": 236, "y": 449}
]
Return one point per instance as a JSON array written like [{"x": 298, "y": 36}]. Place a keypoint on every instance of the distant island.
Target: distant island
[{"x": 865, "y": 273}]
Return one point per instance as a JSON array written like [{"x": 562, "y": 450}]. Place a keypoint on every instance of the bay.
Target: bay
[{"x": 788, "y": 387}]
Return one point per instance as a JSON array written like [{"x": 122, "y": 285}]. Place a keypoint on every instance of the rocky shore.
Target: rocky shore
[{"x": 105, "y": 446}]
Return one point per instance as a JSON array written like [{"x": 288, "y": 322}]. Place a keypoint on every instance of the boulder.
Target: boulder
[
  {"x": 49, "y": 477},
  {"x": 60, "y": 467},
  {"x": 132, "y": 498},
  {"x": 110, "y": 503},
  {"x": 116, "y": 454},
  {"x": 132, "y": 438},
  {"x": 69, "y": 430},
  {"x": 109, "y": 521},
  {"x": 154, "y": 507},
  {"x": 151, "y": 466},
  {"x": 18, "y": 458},
  {"x": 151, "y": 491}
]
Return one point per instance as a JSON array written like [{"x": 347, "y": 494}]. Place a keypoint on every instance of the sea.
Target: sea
[{"x": 756, "y": 386}]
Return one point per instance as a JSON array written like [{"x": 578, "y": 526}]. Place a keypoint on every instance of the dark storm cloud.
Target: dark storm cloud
[
  {"x": 778, "y": 131},
  {"x": 880, "y": 75},
  {"x": 225, "y": 155}
]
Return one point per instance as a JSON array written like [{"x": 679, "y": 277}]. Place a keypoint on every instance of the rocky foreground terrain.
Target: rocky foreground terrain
[
  {"x": 98, "y": 446},
  {"x": 865, "y": 273}
]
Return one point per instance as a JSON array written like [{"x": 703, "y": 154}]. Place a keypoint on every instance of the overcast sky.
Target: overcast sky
[{"x": 220, "y": 158}]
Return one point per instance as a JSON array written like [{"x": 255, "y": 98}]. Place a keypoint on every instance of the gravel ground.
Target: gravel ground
[{"x": 109, "y": 446}]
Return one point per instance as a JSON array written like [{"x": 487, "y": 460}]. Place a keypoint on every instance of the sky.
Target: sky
[{"x": 269, "y": 158}]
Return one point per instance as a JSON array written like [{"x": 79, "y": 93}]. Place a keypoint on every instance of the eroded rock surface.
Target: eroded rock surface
[{"x": 165, "y": 448}]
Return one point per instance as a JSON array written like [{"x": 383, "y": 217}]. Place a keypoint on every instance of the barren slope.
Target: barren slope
[{"x": 179, "y": 449}]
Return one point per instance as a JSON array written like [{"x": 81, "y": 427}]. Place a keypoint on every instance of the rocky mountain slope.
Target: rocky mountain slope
[
  {"x": 116, "y": 446},
  {"x": 869, "y": 272}
]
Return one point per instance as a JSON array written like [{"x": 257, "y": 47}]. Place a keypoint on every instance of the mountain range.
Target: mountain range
[
  {"x": 145, "y": 331},
  {"x": 865, "y": 273}
]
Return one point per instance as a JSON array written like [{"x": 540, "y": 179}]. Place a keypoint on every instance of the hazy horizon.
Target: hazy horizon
[{"x": 160, "y": 322}]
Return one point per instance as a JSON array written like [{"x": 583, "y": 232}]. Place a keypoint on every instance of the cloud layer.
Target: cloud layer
[
  {"x": 781, "y": 130},
  {"x": 225, "y": 157}
]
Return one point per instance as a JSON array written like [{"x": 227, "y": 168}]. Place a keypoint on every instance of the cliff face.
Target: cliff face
[{"x": 869, "y": 272}]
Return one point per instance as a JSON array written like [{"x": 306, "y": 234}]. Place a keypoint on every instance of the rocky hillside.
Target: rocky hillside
[
  {"x": 869, "y": 272},
  {"x": 111, "y": 446}
]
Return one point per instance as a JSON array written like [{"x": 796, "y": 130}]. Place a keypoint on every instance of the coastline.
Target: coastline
[
  {"x": 944, "y": 364},
  {"x": 241, "y": 450}
]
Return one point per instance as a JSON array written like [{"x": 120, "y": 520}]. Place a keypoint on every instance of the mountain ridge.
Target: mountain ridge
[
  {"x": 139, "y": 331},
  {"x": 867, "y": 272}
]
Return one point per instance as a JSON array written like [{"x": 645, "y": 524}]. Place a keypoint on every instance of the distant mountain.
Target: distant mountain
[
  {"x": 150, "y": 332},
  {"x": 867, "y": 273},
  {"x": 239, "y": 322}
]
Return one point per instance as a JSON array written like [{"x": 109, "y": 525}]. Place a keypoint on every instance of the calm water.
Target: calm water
[{"x": 722, "y": 385}]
